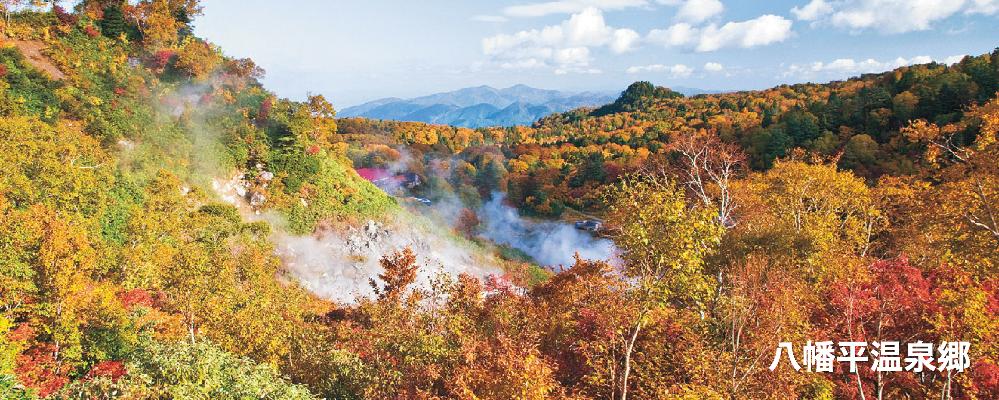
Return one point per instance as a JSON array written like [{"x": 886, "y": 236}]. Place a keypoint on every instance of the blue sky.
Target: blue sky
[{"x": 355, "y": 51}]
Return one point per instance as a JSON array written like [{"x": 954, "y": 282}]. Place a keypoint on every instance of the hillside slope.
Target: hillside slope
[{"x": 160, "y": 211}]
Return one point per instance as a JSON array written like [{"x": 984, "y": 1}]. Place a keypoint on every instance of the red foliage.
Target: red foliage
[
  {"x": 37, "y": 368},
  {"x": 109, "y": 369},
  {"x": 985, "y": 380},
  {"x": 613, "y": 170},
  {"x": 893, "y": 300},
  {"x": 64, "y": 17},
  {"x": 468, "y": 222},
  {"x": 847, "y": 389},
  {"x": 135, "y": 297},
  {"x": 91, "y": 31},
  {"x": 498, "y": 284},
  {"x": 900, "y": 283},
  {"x": 162, "y": 59},
  {"x": 3, "y": 70},
  {"x": 992, "y": 288},
  {"x": 264, "y": 113},
  {"x": 592, "y": 324},
  {"x": 120, "y": 91},
  {"x": 313, "y": 150},
  {"x": 895, "y": 290},
  {"x": 21, "y": 333}
]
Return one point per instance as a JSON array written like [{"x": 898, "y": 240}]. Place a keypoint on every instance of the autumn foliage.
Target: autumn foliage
[{"x": 855, "y": 210}]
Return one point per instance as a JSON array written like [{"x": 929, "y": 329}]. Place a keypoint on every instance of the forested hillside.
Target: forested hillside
[
  {"x": 150, "y": 185},
  {"x": 856, "y": 125}
]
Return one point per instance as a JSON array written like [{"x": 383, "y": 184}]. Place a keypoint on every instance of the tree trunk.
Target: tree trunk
[
  {"x": 945, "y": 393},
  {"x": 627, "y": 358},
  {"x": 881, "y": 384},
  {"x": 849, "y": 330}
]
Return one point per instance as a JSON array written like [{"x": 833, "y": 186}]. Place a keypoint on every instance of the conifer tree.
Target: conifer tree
[{"x": 113, "y": 23}]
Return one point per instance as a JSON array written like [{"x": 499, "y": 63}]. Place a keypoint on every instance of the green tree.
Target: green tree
[
  {"x": 860, "y": 151},
  {"x": 801, "y": 126},
  {"x": 113, "y": 24}
]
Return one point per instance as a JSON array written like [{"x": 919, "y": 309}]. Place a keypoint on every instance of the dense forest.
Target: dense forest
[
  {"x": 862, "y": 210},
  {"x": 857, "y": 125}
]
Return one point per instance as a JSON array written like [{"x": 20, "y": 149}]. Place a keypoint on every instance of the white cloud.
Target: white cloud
[
  {"x": 587, "y": 28},
  {"x": 713, "y": 67},
  {"x": 675, "y": 71},
  {"x": 489, "y": 18},
  {"x": 761, "y": 31},
  {"x": 843, "y": 67},
  {"x": 812, "y": 11},
  {"x": 849, "y": 65},
  {"x": 954, "y": 59},
  {"x": 572, "y": 57},
  {"x": 573, "y": 60},
  {"x": 569, "y": 7},
  {"x": 987, "y": 7},
  {"x": 697, "y": 11},
  {"x": 890, "y": 16},
  {"x": 565, "y": 47},
  {"x": 681, "y": 34},
  {"x": 624, "y": 40},
  {"x": 680, "y": 71}
]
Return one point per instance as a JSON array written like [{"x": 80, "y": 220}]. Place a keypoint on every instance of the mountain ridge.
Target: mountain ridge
[
  {"x": 484, "y": 105},
  {"x": 479, "y": 106}
]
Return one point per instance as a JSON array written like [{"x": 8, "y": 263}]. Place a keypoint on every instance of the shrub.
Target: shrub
[{"x": 185, "y": 370}]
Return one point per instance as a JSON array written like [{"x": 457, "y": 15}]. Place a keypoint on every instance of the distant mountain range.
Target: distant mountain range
[{"x": 483, "y": 106}]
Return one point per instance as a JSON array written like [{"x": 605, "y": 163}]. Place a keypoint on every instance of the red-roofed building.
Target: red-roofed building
[
  {"x": 373, "y": 174},
  {"x": 384, "y": 179}
]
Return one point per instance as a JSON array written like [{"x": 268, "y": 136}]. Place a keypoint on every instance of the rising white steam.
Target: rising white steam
[
  {"x": 337, "y": 263},
  {"x": 549, "y": 243}
]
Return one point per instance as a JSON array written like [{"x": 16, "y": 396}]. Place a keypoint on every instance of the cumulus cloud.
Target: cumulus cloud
[
  {"x": 586, "y": 28},
  {"x": 890, "y": 16},
  {"x": 697, "y": 11},
  {"x": 565, "y": 47},
  {"x": 675, "y": 71},
  {"x": 760, "y": 31},
  {"x": 845, "y": 66},
  {"x": 569, "y": 7},
  {"x": 812, "y": 11},
  {"x": 677, "y": 35},
  {"x": 572, "y": 57},
  {"x": 713, "y": 67},
  {"x": 624, "y": 40}
]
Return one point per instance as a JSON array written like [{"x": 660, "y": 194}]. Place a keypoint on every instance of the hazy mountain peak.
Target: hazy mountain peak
[{"x": 480, "y": 106}]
